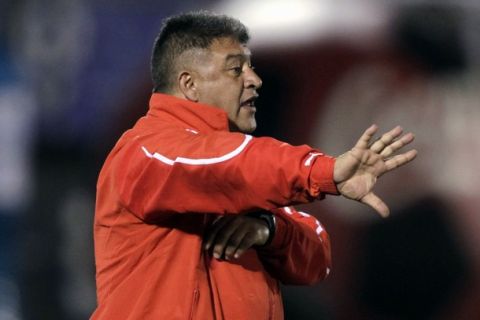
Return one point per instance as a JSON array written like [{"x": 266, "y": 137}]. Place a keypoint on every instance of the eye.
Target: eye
[{"x": 237, "y": 70}]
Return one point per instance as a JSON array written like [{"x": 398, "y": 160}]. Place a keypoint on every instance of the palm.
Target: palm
[
  {"x": 359, "y": 184},
  {"x": 356, "y": 171}
]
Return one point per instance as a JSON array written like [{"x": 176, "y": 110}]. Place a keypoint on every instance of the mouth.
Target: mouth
[{"x": 250, "y": 102}]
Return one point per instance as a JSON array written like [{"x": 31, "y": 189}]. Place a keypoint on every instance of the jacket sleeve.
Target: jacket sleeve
[
  {"x": 221, "y": 173},
  {"x": 300, "y": 252}
]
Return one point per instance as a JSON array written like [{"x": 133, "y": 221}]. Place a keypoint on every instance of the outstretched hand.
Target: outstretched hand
[{"x": 356, "y": 171}]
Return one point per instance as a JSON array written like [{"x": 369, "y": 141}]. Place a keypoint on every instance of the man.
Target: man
[{"x": 191, "y": 220}]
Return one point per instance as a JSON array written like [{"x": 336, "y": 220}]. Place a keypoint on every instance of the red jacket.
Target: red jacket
[{"x": 162, "y": 186}]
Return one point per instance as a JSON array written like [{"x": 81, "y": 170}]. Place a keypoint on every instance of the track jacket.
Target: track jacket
[{"x": 159, "y": 190}]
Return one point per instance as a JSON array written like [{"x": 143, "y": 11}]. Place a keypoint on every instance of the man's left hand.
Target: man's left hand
[
  {"x": 356, "y": 171},
  {"x": 230, "y": 236}
]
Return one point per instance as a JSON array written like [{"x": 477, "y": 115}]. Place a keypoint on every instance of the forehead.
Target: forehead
[{"x": 228, "y": 48}]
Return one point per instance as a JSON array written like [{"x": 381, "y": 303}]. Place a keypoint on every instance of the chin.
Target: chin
[
  {"x": 248, "y": 127},
  {"x": 243, "y": 126},
  {"x": 248, "y": 130}
]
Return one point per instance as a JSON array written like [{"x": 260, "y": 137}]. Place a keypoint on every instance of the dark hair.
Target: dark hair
[{"x": 187, "y": 31}]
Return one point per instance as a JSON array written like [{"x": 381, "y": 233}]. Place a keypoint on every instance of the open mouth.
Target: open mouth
[{"x": 250, "y": 102}]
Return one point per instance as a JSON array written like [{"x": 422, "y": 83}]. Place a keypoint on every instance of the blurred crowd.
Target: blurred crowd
[{"x": 74, "y": 74}]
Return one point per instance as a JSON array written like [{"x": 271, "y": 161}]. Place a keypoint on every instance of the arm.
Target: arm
[
  {"x": 247, "y": 173},
  {"x": 298, "y": 254},
  {"x": 300, "y": 250},
  {"x": 233, "y": 173}
]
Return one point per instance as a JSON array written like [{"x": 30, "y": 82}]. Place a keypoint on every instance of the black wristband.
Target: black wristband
[{"x": 269, "y": 218}]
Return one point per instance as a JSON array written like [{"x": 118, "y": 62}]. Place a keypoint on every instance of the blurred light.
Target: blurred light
[
  {"x": 274, "y": 22},
  {"x": 282, "y": 15}
]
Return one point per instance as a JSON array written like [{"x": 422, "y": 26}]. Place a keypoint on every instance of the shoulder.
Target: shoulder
[{"x": 172, "y": 143}]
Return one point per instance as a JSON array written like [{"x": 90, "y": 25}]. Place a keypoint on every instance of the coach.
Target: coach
[{"x": 193, "y": 215}]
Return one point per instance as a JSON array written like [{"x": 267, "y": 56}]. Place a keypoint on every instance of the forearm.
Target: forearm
[{"x": 300, "y": 252}]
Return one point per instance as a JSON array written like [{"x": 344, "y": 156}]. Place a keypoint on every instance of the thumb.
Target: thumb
[{"x": 372, "y": 200}]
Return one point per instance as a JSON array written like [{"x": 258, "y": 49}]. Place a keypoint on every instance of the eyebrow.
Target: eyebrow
[{"x": 241, "y": 56}]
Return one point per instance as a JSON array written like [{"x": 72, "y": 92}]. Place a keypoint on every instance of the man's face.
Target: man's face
[{"x": 225, "y": 79}]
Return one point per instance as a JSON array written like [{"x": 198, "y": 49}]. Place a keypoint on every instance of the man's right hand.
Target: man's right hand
[{"x": 231, "y": 235}]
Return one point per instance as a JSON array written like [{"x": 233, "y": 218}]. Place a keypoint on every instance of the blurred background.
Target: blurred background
[{"x": 74, "y": 74}]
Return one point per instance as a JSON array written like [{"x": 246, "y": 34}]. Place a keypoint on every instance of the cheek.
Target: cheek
[
  {"x": 246, "y": 115},
  {"x": 231, "y": 101},
  {"x": 224, "y": 93},
  {"x": 225, "y": 90}
]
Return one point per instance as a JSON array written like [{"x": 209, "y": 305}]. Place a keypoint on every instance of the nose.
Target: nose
[{"x": 252, "y": 80}]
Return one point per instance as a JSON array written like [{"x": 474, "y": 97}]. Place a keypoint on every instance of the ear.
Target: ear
[{"x": 187, "y": 86}]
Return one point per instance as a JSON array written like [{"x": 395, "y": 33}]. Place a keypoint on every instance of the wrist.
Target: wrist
[{"x": 270, "y": 222}]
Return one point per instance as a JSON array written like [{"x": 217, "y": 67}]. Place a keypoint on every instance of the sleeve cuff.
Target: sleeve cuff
[{"x": 321, "y": 177}]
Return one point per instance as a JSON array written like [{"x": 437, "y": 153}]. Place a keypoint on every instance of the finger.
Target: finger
[
  {"x": 257, "y": 237},
  {"x": 386, "y": 139},
  {"x": 253, "y": 231},
  {"x": 403, "y": 141},
  {"x": 223, "y": 237},
  {"x": 376, "y": 203},
  {"x": 364, "y": 140},
  {"x": 235, "y": 240},
  {"x": 247, "y": 242},
  {"x": 400, "y": 160},
  {"x": 214, "y": 229}
]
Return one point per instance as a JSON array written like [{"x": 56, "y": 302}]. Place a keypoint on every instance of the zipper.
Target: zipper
[
  {"x": 196, "y": 294},
  {"x": 271, "y": 300}
]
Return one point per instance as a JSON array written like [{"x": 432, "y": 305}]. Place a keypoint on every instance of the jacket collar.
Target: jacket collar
[{"x": 193, "y": 115}]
